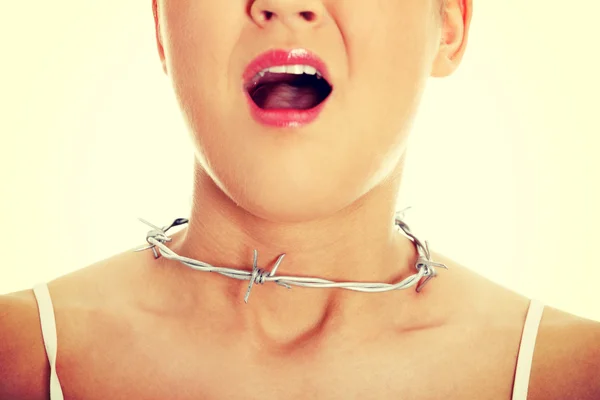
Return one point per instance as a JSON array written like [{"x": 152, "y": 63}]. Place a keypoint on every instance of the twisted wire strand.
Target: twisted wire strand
[{"x": 425, "y": 266}]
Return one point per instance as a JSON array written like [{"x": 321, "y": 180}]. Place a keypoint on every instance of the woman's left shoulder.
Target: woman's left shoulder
[
  {"x": 566, "y": 357},
  {"x": 566, "y": 360}
]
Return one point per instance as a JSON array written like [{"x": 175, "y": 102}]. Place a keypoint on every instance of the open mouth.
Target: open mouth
[{"x": 292, "y": 87}]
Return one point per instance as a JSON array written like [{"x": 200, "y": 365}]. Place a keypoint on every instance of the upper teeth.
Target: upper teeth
[{"x": 290, "y": 69}]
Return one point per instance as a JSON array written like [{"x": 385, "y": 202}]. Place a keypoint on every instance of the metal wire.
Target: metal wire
[{"x": 425, "y": 267}]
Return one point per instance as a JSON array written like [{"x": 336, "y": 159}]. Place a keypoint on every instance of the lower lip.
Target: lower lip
[{"x": 285, "y": 118}]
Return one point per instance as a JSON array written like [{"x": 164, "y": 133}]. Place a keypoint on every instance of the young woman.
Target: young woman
[{"x": 300, "y": 111}]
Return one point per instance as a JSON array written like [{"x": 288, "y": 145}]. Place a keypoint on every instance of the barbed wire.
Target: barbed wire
[{"x": 425, "y": 266}]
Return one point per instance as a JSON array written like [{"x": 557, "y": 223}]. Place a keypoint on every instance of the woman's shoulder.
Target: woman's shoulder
[
  {"x": 566, "y": 361},
  {"x": 23, "y": 363},
  {"x": 566, "y": 357},
  {"x": 85, "y": 303}
]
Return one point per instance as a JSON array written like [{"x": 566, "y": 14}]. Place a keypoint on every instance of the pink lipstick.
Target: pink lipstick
[{"x": 286, "y": 88}]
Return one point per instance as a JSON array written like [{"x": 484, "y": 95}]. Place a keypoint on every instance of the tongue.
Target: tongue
[{"x": 283, "y": 95}]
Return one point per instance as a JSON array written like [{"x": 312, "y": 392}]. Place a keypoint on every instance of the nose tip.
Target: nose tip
[{"x": 294, "y": 13}]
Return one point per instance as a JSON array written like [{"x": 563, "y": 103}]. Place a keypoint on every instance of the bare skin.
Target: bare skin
[
  {"x": 325, "y": 194},
  {"x": 125, "y": 332}
]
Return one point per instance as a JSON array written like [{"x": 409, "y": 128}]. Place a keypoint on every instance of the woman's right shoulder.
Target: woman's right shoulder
[
  {"x": 92, "y": 297},
  {"x": 24, "y": 368}
]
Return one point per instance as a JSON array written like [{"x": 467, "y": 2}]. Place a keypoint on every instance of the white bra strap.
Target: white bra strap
[
  {"x": 48, "y": 324},
  {"x": 525, "y": 356}
]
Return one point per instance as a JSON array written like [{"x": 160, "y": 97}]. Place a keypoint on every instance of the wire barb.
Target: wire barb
[{"x": 159, "y": 234}]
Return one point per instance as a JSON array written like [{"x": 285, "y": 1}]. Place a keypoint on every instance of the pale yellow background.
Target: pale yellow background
[{"x": 503, "y": 172}]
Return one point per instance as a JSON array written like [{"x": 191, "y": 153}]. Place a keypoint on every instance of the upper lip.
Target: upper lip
[{"x": 279, "y": 57}]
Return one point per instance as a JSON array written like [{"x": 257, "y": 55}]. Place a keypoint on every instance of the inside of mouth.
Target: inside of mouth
[{"x": 289, "y": 91}]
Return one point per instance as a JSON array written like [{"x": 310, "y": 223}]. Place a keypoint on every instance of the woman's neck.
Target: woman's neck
[{"x": 359, "y": 243}]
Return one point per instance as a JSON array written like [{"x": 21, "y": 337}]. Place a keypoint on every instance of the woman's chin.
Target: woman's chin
[{"x": 292, "y": 204}]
